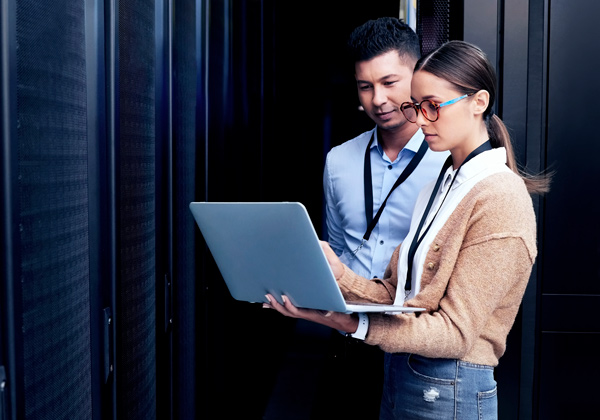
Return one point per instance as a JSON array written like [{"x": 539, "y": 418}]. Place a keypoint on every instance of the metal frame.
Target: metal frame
[
  {"x": 164, "y": 205},
  {"x": 535, "y": 157},
  {"x": 111, "y": 15},
  {"x": 11, "y": 344},
  {"x": 101, "y": 285}
]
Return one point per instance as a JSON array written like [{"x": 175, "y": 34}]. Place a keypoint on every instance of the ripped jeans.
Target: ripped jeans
[{"x": 419, "y": 388}]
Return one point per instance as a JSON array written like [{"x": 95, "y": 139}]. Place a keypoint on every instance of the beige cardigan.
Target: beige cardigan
[{"x": 473, "y": 281}]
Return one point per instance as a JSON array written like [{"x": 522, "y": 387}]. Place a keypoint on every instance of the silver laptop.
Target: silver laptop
[{"x": 273, "y": 248}]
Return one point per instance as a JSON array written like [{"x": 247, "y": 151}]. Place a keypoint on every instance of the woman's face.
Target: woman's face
[{"x": 458, "y": 127}]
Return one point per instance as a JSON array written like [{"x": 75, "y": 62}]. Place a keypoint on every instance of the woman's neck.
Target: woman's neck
[{"x": 460, "y": 154}]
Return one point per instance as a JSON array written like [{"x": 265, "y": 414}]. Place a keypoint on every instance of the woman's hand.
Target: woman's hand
[
  {"x": 340, "y": 321},
  {"x": 336, "y": 265}
]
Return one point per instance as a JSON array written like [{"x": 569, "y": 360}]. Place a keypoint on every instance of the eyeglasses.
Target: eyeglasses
[{"x": 429, "y": 108}]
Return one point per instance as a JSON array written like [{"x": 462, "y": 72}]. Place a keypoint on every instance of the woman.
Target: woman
[{"x": 469, "y": 253}]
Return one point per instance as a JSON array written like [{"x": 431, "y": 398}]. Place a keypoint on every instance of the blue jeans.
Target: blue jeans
[{"x": 420, "y": 388}]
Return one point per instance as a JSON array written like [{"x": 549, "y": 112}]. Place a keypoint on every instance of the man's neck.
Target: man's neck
[{"x": 393, "y": 141}]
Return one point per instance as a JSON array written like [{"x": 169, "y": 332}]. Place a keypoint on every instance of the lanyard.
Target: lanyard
[
  {"x": 418, "y": 238},
  {"x": 372, "y": 221}
]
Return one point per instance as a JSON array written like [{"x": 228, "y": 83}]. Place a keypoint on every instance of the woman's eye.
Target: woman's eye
[{"x": 430, "y": 106}]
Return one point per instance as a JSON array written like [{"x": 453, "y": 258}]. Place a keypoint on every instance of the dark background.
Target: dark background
[{"x": 115, "y": 115}]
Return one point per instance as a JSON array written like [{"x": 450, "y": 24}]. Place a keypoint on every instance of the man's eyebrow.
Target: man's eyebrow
[{"x": 386, "y": 77}]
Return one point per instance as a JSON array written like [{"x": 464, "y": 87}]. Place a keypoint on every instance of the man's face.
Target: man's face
[{"x": 383, "y": 84}]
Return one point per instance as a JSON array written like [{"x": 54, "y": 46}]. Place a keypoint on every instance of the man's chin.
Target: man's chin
[{"x": 391, "y": 125}]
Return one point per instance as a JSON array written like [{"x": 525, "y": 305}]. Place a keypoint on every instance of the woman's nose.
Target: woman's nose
[{"x": 421, "y": 120}]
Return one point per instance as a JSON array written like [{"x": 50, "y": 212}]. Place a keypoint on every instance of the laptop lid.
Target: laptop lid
[{"x": 272, "y": 247}]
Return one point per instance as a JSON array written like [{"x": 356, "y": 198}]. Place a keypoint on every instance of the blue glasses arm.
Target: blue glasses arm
[{"x": 451, "y": 101}]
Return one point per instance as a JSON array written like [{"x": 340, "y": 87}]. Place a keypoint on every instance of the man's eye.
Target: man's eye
[
  {"x": 364, "y": 87},
  {"x": 390, "y": 83}
]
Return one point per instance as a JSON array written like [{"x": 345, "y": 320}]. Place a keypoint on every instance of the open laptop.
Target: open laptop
[{"x": 273, "y": 248}]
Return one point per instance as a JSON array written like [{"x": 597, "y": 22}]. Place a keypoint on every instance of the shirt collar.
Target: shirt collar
[
  {"x": 478, "y": 164},
  {"x": 413, "y": 144}
]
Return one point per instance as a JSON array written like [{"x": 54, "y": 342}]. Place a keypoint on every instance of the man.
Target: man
[{"x": 365, "y": 226}]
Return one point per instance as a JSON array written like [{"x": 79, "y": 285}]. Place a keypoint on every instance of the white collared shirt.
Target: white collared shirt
[{"x": 481, "y": 166}]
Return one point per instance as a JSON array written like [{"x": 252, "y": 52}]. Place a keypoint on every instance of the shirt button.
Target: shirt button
[
  {"x": 390, "y": 166},
  {"x": 380, "y": 242},
  {"x": 430, "y": 266},
  {"x": 436, "y": 247}
]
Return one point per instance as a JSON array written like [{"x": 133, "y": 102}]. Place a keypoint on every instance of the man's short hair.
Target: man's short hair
[{"x": 379, "y": 36}]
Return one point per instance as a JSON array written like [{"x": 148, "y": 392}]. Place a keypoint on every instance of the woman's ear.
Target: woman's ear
[{"x": 481, "y": 101}]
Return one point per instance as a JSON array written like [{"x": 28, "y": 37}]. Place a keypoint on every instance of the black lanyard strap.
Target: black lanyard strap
[
  {"x": 372, "y": 221},
  {"x": 416, "y": 241}
]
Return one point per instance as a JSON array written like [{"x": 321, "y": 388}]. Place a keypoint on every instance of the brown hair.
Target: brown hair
[{"x": 466, "y": 67}]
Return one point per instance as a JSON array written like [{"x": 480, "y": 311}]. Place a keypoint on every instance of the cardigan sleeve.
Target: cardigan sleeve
[
  {"x": 464, "y": 312},
  {"x": 475, "y": 294},
  {"x": 359, "y": 289}
]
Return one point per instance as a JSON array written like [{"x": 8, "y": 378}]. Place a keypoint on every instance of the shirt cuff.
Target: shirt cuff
[{"x": 363, "y": 327}]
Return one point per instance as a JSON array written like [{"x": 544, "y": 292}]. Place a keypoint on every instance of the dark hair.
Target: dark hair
[
  {"x": 379, "y": 36},
  {"x": 467, "y": 68}
]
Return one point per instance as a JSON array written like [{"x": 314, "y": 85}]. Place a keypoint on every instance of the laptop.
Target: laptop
[{"x": 272, "y": 247}]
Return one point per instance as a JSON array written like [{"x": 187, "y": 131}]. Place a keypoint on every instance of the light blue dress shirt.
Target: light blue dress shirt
[{"x": 343, "y": 185}]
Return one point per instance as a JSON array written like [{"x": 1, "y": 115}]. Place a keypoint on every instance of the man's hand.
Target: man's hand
[{"x": 336, "y": 265}]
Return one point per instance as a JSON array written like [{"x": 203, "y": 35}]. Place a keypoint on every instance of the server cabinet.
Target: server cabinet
[
  {"x": 569, "y": 325},
  {"x": 82, "y": 191},
  {"x": 46, "y": 333},
  {"x": 541, "y": 64}
]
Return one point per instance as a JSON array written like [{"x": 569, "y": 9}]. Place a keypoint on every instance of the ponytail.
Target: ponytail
[
  {"x": 467, "y": 68},
  {"x": 499, "y": 137}
]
